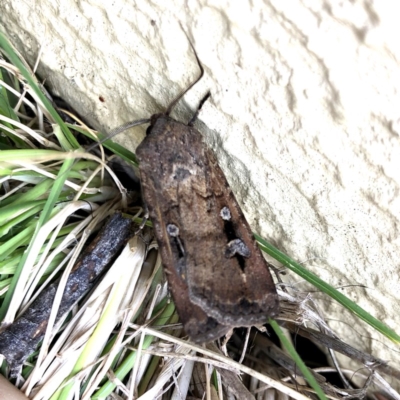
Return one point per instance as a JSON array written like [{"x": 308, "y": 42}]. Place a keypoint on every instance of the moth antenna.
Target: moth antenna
[
  {"x": 196, "y": 114},
  {"x": 131, "y": 124},
  {"x": 184, "y": 91},
  {"x": 119, "y": 130}
]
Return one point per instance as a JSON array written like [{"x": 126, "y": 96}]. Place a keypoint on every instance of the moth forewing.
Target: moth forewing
[
  {"x": 162, "y": 200},
  {"x": 227, "y": 275},
  {"x": 206, "y": 244}
]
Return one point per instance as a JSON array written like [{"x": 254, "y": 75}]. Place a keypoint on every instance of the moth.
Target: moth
[{"x": 216, "y": 272}]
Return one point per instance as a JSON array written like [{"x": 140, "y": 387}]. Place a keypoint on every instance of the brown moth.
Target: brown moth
[{"x": 215, "y": 270}]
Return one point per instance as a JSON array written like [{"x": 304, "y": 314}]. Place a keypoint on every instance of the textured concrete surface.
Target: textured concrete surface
[{"x": 304, "y": 117}]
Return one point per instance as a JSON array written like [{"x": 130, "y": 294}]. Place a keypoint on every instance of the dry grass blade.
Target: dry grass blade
[{"x": 90, "y": 329}]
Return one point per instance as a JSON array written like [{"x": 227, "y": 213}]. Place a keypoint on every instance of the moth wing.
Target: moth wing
[
  {"x": 159, "y": 195},
  {"x": 230, "y": 278},
  {"x": 200, "y": 228},
  {"x": 197, "y": 324}
]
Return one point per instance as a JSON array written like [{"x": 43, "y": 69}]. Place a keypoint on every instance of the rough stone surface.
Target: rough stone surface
[{"x": 304, "y": 117}]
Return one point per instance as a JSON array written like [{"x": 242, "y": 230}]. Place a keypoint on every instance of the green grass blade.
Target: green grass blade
[
  {"x": 328, "y": 289},
  {"x": 5, "y": 106},
  {"x": 13, "y": 57},
  {"x": 296, "y": 358},
  {"x": 29, "y": 211},
  {"x": 44, "y": 216},
  {"x": 36, "y": 155},
  {"x": 116, "y": 148},
  {"x": 33, "y": 194},
  {"x": 13, "y": 211},
  {"x": 18, "y": 240}
]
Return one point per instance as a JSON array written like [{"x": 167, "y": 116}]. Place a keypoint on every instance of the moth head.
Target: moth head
[{"x": 153, "y": 120}]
